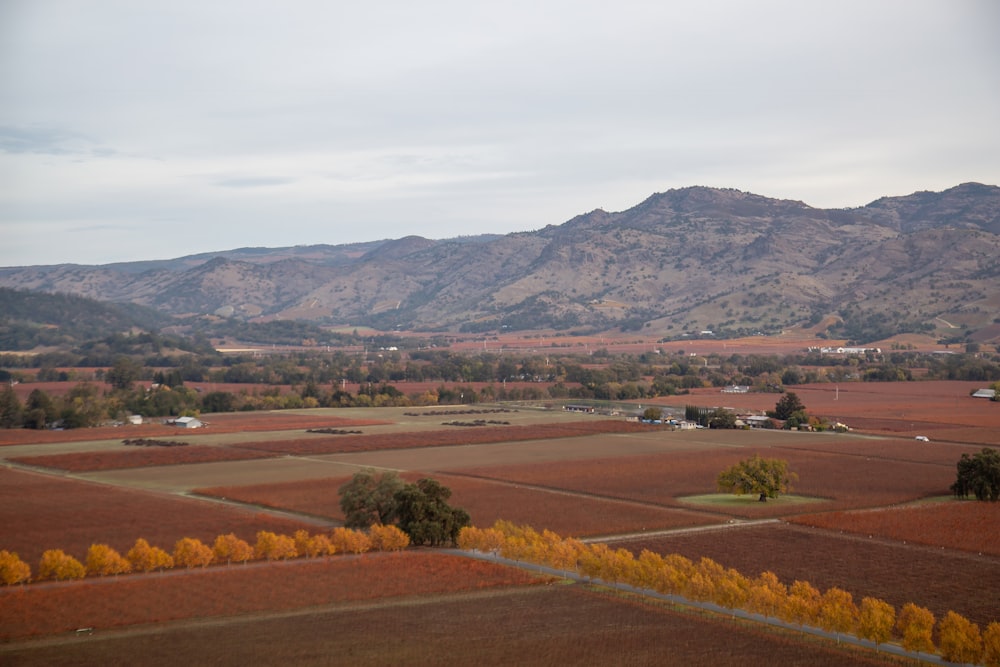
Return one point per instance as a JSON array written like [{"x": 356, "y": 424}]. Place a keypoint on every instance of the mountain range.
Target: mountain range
[{"x": 680, "y": 263}]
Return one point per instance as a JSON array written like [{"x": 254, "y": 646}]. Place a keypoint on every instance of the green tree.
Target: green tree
[
  {"x": 39, "y": 410},
  {"x": 11, "y": 412},
  {"x": 767, "y": 477},
  {"x": 652, "y": 414},
  {"x": 370, "y": 498},
  {"x": 123, "y": 374},
  {"x": 786, "y": 406},
  {"x": 722, "y": 418},
  {"x": 979, "y": 475},
  {"x": 425, "y": 515}
]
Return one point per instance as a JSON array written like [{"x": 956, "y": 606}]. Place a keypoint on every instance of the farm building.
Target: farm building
[
  {"x": 187, "y": 422},
  {"x": 985, "y": 393}
]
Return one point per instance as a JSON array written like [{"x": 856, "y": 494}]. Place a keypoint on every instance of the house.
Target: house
[
  {"x": 135, "y": 420},
  {"x": 736, "y": 389},
  {"x": 187, "y": 422}
]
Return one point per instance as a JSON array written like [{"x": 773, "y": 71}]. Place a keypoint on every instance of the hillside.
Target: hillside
[{"x": 680, "y": 262}]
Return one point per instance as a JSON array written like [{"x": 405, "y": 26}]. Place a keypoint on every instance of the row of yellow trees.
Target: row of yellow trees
[
  {"x": 959, "y": 640},
  {"x": 102, "y": 560}
]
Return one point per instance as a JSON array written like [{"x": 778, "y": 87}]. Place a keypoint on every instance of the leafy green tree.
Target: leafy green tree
[
  {"x": 979, "y": 475},
  {"x": 11, "y": 412},
  {"x": 39, "y": 409},
  {"x": 123, "y": 374},
  {"x": 652, "y": 414},
  {"x": 425, "y": 515},
  {"x": 767, "y": 477},
  {"x": 370, "y": 498},
  {"x": 786, "y": 406},
  {"x": 722, "y": 418}
]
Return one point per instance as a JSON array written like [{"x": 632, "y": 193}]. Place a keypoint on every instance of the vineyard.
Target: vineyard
[{"x": 871, "y": 516}]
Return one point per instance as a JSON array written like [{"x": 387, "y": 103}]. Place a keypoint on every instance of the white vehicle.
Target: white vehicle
[{"x": 922, "y": 438}]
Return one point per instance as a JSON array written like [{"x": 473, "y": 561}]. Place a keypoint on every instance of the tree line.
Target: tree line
[
  {"x": 101, "y": 560},
  {"x": 835, "y": 611}
]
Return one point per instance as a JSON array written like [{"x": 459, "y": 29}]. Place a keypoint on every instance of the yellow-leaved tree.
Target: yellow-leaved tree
[
  {"x": 146, "y": 558},
  {"x": 876, "y": 619},
  {"x": 916, "y": 625},
  {"x": 102, "y": 560},
  {"x": 271, "y": 546},
  {"x": 13, "y": 570},
  {"x": 58, "y": 565},
  {"x": 991, "y": 645},
  {"x": 959, "y": 639},
  {"x": 347, "y": 541},
  {"x": 387, "y": 538},
  {"x": 230, "y": 548},
  {"x": 191, "y": 552},
  {"x": 837, "y": 612},
  {"x": 802, "y": 603}
]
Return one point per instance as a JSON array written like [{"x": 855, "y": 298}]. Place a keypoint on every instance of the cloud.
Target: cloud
[{"x": 321, "y": 122}]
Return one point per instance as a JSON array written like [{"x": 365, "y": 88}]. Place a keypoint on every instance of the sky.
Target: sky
[{"x": 134, "y": 129}]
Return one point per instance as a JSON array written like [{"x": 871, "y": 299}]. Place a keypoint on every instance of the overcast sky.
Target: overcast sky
[{"x": 136, "y": 129}]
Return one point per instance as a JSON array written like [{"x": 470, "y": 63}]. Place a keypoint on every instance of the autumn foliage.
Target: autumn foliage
[
  {"x": 707, "y": 581},
  {"x": 13, "y": 570}
]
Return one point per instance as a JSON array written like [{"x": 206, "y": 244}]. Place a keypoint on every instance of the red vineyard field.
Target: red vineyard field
[
  {"x": 486, "y": 501},
  {"x": 537, "y": 625},
  {"x": 967, "y": 525},
  {"x": 141, "y": 458},
  {"x": 239, "y": 589},
  {"x": 897, "y": 573},
  {"x": 846, "y": 481},
  {"x": 463, "y": 436},
  {"x": 40, "y": 512}
]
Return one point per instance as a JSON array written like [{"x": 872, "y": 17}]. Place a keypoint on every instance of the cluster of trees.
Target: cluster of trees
[
  {"x": 420, "y": 510},
  {"x": 834, "y": 610},
  {"x": 979, "y": 475},
  {"x": 756, "y": 475},
  {"x": 101, "y": 560}
]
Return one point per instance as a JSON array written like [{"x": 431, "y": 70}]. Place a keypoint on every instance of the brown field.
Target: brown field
[
  {"x": 901, "y": 409},
  {"x": 39, "y": 512},
  {"x": 538, "y": 625},
  {"x": 576, "y": 475},
  {"x": 965, "y": 525},
  {"x": 142, "y": 457},
  {"x": 240, "y": 589},
  {"x": 939, "y": 579},
  {"x": 857, "y": 478},
  {"x": 487, "y": 501}
]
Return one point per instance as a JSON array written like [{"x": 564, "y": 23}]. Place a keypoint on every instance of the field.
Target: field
[{"x": 875, "y": 518}]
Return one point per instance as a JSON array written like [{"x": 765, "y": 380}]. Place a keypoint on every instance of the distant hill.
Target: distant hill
[
  {"x": 35, "y": 319},
  {"x": 681, "y": 262}
]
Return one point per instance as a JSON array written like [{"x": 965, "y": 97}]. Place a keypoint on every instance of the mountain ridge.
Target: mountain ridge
[{"x": 680, "y": 261}]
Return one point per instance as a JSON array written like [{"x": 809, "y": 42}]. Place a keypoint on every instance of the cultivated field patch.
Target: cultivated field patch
[
  {"x": 847, "y": 481},
  {"x": 538, "y": 625},
  {"x": 967, "y": 525},
  {"x": 893, "y": 571},
  {"x": 141, "y": 458},
  {"x": 487, "y": 501},
  {"x": 40, "y": 512},
  {"x": 240, "y": 589}
]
